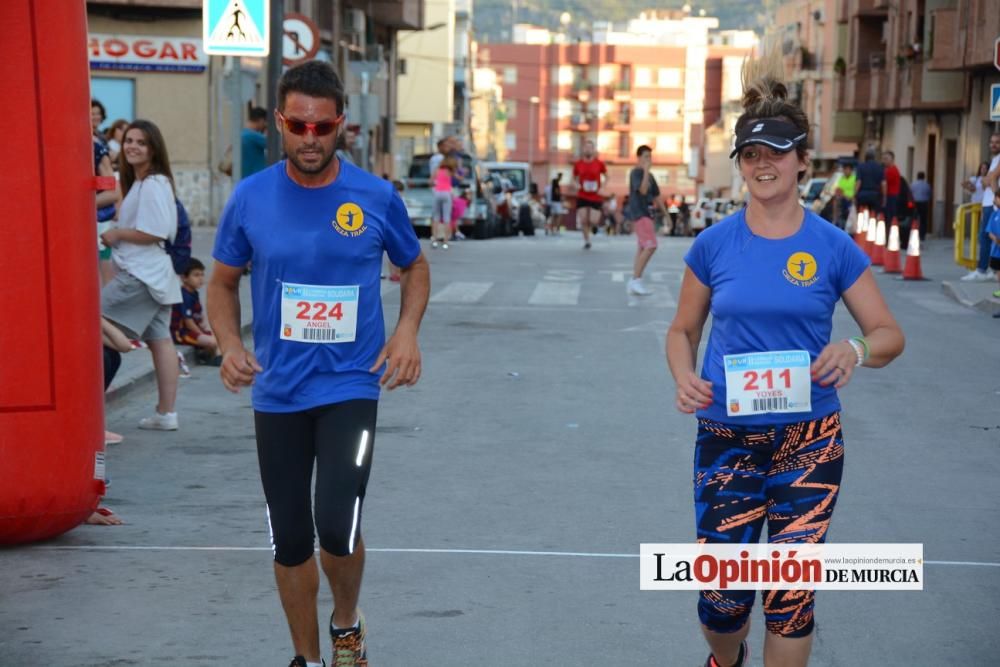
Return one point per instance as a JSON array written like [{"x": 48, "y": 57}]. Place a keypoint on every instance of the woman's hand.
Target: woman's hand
[
  {"x": 835, "y": 364},
  {"x": 110, "y": 238},
  {"x": 693, "y": 393}
]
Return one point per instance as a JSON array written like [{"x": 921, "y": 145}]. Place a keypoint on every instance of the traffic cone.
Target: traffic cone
[
  {"x": 912, "y": 271},
  {"x": 878, "y": 251},
  {"x": 870, "y": 234},
  {"x": 892, "y": 250},
  {"x": 861, "y": 228}
]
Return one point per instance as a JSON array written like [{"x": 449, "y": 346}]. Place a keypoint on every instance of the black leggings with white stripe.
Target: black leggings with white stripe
[{"x": 339, "y": 438}]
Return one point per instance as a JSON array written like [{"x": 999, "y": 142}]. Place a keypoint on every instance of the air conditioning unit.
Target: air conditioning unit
[
  {"x": 355, "y": 22},
  {"x": 819, "y": 16}
]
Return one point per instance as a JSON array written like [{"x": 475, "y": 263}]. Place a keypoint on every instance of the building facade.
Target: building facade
[
  {"x": 640, "y": 85},
  {"x": 919, "y": 72}
]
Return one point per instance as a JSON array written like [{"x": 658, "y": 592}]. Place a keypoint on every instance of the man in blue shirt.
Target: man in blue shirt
[
  {"x": 922, "y": 193},
  {"x": 315, "y": 229},
  {"x": 253, "y": 143},
  {"x": 871, "y": 193}
]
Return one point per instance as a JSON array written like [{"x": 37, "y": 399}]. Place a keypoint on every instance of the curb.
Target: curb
[
  {"x": 114, "y": 395},
  {"x": 989, "y": 305}
]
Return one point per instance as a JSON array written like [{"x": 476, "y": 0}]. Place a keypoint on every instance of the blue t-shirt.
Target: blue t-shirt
[
  {"x": 771, "y": 295},
  {"x": 332, "y": 236},
  {"x": 253, "y": 152},
  {"x": 993, "y": 227}
]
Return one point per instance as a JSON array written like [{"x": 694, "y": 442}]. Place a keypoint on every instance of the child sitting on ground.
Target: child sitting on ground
[{"x": 188, "y": 325}]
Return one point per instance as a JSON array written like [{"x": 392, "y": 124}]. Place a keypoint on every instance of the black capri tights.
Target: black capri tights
[{"x": 339, "y": 438}]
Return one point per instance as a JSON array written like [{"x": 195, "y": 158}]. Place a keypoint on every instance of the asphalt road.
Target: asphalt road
[{"x": 512, "y": 487}]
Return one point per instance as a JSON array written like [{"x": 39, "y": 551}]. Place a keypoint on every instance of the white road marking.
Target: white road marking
[
  {"x": 555, "y": 294},
  {"x": 461, "y": 292},
  {"x": 474, "y": 552}
]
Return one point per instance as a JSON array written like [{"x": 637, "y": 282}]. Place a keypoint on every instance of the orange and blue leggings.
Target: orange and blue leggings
[{"x": 787, "y": 474}]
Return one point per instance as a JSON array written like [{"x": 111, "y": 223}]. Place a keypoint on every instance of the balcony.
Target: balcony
[
  {"x": 856, "y": 91},
  {"x": 620, "y": 121},
  {"x": 946, "y": 51},
  {"x": 581, "y": 122},
  {"x": 872, "y": 8},
  {"x": 622, "y": 91}
]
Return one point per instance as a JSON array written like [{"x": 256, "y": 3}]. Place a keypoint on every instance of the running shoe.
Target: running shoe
[
  {"x": 434, "y": 244},
  {"x": 744, "y": 658},
  {"x": 299, "y": 661},
  {"x": 444, "y": 245},
  {"x": 349, "y": 649},
  {"x": 996, "y": 294},
  {"x": 636, "y": 287},
  {"x": 158, "y": 422},
  {"x": 586, "y": 246}
]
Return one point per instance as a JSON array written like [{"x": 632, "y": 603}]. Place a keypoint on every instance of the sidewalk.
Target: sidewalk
[{"x": 137, "y": 366}]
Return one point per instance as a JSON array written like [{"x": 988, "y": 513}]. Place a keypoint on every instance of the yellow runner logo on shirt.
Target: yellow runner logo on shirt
[
  {"x": 350, "y": 220},
  {"x": 800, "y": 270}
]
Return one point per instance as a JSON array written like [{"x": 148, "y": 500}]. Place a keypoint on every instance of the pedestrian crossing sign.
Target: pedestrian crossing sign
[
  {"x": 236, "y": 27},
  {"x": 995, "y": 102}
]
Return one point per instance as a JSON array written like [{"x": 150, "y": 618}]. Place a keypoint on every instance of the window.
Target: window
[
  {"x": 564, "y": 141},
  {"x": 511, "y": 109},
  {"x": 510, "y": 74},
  {"x": 510, "y": 141},
  {"x": 606, "y": 142},
  {"x": 565, "y": 77},
  {"x": 642, "y": 110},
  {"x": 564, "y": 109},
  {"x": 668, "y": 144},
  {"x": 606, "y": 75},
  {"x": 604, "y": 107},
  {"x": 643, "y": 77},
  {"x": 668, "y": 110},
  {"x": 624, "y": 145},
  {"x": 117, "y": 96},
  {"x": 639, "y": 140},
  {"x": 669, "y": 77}
]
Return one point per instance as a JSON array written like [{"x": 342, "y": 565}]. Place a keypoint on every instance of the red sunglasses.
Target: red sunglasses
[{"x": 300, "y": 127}]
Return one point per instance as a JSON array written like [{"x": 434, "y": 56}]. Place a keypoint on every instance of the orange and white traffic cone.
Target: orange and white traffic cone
[
  {"x": 861, "y": 228},
  {"x": 878, "y": 251},
  {"x": 892, "y": 250},
  {"x": 912, "y": 271},
  {"x": 870, "y": 234}
]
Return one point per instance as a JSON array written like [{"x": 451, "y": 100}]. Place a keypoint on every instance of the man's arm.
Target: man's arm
[
  {"x": 223, "y": 307},
  {"x": 113, "y": 237},
  {"x": 991, "y": 178},
  {"x": 401, "y": 351}
]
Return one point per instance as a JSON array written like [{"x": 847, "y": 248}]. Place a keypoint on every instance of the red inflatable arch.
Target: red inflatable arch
[{"x": 51, "y": 399}]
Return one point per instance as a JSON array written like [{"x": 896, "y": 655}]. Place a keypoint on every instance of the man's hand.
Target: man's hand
[
  {"x": 238, "y": 369},
  {"x": 403, "y": 356},
  {"x": 110, "y": 238}
]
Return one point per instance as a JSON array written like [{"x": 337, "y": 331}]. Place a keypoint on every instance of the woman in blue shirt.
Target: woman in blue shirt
[{"x": 766, "y": 399}]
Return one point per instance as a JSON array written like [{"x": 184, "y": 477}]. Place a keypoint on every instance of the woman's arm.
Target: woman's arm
[{"x": 683, "y": 338}]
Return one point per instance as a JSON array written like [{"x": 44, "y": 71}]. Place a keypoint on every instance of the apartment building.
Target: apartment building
[
  {"x": 640, "y": 85},
  {"x": 919, "y": 73}
]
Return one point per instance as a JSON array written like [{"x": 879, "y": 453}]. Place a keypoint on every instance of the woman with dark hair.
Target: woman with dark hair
[
  {"x": 139, "y": 298},
  {"x": 771, "y": 276}
]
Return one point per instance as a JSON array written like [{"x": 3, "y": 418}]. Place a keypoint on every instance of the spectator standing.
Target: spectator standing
[
  {"x": 115, "y": 135},
  {"x": 553, "y": 205},
  {"x": 845, "y": 190},
  {"x": 989, "y": 182},
  {"x": 892, "y": 177},
  {"x": 441, "y": 212},
  {"x": 871, "y": 184},
  {"x": 97, "y": 116},
  {"x": 253, "y": 143},
  {"x": 922, "y": 192},
  {"x": 105, "y": 202},
  {"x": 140, "y": 296},
  {"x": 993, "y": 230},
  {"x": 643, "y": 196},
  {"x": 345, "y": 143},
  {"x": 974, "y": 184}
]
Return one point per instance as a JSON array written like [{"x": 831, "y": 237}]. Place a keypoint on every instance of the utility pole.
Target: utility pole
[{"x": 274, "y": 68}]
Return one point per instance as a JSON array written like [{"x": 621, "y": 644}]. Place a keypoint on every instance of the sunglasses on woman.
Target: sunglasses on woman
[{"x": 300, "y": 127}]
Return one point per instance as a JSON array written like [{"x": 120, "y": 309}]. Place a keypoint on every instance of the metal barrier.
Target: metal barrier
[{"x": 968, "y": 219}]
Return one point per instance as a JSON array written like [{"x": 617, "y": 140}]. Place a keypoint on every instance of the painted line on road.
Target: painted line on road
[
  {"x": 474, "y": 552},
  {"x": 555, "y": 294},
  {"x": 461, "y": 292}
]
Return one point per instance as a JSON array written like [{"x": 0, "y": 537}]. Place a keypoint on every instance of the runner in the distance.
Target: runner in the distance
[
  {"x": 315, "y": 229},
  {"x": 771, "y": 276},
  {"x": 590, "y": 175}
]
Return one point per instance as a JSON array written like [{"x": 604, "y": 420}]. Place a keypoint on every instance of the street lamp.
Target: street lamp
[{"x": 531, "y": 136}]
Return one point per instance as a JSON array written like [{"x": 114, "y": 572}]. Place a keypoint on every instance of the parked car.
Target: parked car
[
  {"x": 419, "y": 196},
  {"x": 811, "y": 190},
  {"x": 510, "y": 185}
]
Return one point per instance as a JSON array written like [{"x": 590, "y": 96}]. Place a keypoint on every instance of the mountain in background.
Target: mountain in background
[{"x": 493, "y": 19}]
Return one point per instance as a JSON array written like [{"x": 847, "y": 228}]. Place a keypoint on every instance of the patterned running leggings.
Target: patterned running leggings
[{"x": 788, "y": 475}]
